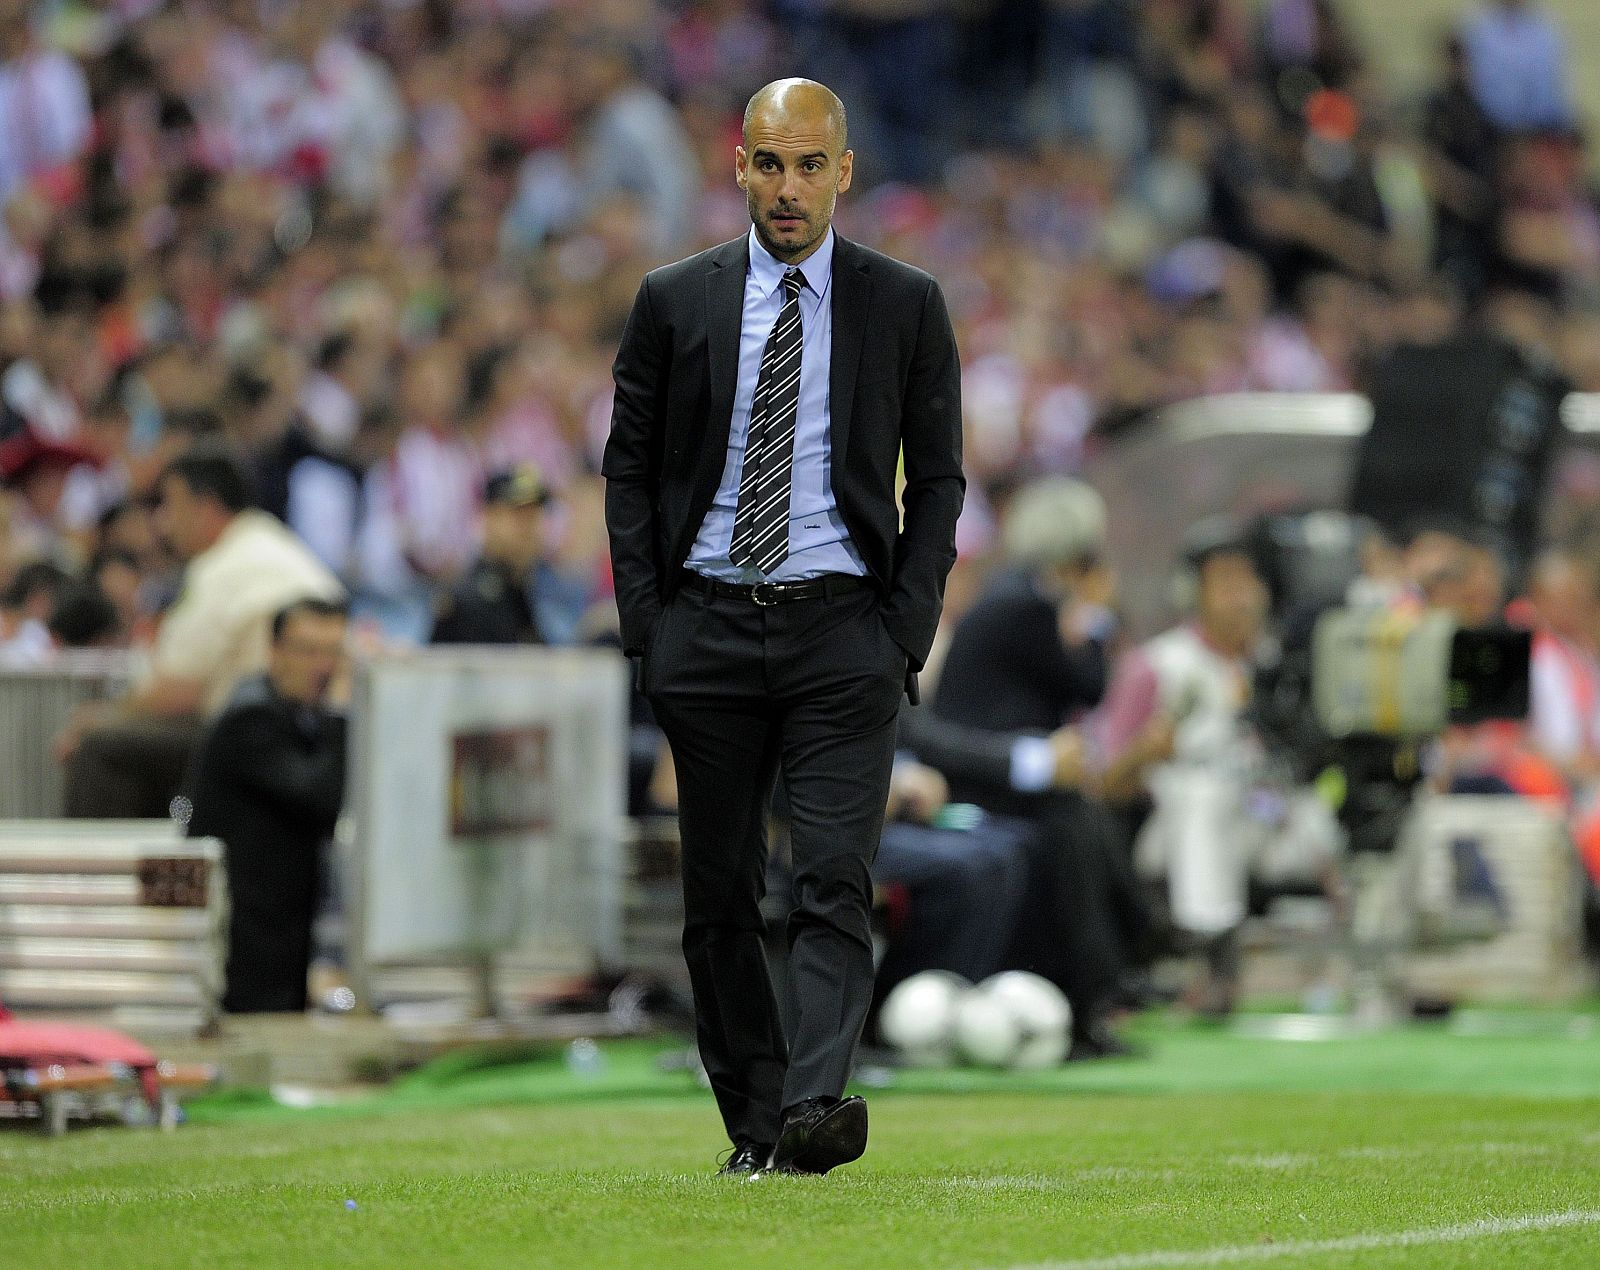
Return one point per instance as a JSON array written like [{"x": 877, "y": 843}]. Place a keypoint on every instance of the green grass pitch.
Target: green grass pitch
[{"x": 1414, "y": 1149}]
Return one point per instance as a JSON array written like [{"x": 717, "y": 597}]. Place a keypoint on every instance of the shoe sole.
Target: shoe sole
[{"x": 838, "y": 1138}]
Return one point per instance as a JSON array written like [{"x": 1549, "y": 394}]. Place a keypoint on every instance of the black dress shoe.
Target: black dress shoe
[
  {"x": 747, "y": 1158},
  {"x": 820, "y": 1134}
]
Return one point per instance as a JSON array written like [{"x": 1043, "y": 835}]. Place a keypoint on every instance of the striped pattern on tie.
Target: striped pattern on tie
[{"x": 761, "y": 520}]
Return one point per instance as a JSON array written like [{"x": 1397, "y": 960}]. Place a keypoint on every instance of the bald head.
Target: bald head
[
  {"x": 793, "y": 165},
  {"x": 799, "y": 100}
]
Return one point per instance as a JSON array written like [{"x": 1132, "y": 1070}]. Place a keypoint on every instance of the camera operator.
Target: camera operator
[{"x": 1174, "y": 727}]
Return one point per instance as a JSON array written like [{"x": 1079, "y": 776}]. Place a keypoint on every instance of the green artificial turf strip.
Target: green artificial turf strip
[
  {"x": 1216, "y": 1140},
  {"x": 999, "y": 1180},
  {"x": 1524, "y": 1058}
]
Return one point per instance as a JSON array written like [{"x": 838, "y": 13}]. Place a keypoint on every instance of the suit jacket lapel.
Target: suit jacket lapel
[
  {"x": 724, "y": 276},
  {"x": 852, "y": 296},
  {"x": 724, "y": 314}
]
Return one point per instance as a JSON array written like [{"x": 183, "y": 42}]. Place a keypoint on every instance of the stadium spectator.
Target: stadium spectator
[
  {"x": 1459, "y": 164},
  {"x": 84, "y": 617},
  {"x": 26, "y": 604},
  {"x": 126, "y": 758},
  {"x": 1174, "y": 724},
  {"x": 1031, "y": 653},
  {"x": 434, "y": 472},
  {"x": 38, "y": 468},
  {"x": 1517, "y": 59},
  {"x": 1564, "y": 711},
  {"x": 268, "y": 780},
  {"x": 495, "y": 602},
  {"x": 44, "y": 99}
]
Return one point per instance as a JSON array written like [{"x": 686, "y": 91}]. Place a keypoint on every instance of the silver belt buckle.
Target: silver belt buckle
[{"x": 761, "y": 589}]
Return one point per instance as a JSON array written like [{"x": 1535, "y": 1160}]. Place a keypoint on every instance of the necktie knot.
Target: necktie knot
[{"x": 793, "y": 280}]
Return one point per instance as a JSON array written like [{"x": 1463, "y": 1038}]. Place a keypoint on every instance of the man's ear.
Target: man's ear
[
  {"x": 740, "y": 164},
  {"x": 846, "y": 166}
]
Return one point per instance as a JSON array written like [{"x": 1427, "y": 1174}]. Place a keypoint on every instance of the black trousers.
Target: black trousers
[
  {"x": 274, "y": 901},
  {"x": 810, "y": 688},
  {"x": 1084, "y": 918},
  {"x": 966, "y": 887}
]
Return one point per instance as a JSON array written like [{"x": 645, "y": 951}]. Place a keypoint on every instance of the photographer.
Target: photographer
[{"x": 1174, "y": 727}]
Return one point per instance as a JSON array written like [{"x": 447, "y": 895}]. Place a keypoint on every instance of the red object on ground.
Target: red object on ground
[{"x": 41, "y": 1044}]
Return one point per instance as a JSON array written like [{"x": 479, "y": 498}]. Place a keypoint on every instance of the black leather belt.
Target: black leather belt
[{"x": 769, "y": 593}]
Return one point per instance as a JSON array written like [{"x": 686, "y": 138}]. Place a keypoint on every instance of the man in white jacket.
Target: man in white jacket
[{"x": 127, "y": 758}]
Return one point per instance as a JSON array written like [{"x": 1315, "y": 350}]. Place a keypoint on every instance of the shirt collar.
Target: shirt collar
[{"x": 769, "y": 270}]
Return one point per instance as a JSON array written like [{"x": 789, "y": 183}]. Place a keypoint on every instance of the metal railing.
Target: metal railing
[{"x": 36, "y": 703}]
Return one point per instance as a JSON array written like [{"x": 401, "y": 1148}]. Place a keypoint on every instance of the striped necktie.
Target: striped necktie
[{"x": 761, "y": 522}]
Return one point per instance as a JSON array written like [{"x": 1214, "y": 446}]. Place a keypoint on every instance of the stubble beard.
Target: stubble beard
[{"x": 817, "y": 223}]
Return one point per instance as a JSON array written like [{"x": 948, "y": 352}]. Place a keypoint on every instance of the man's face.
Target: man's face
[
  {"x": 134, "y": 531},
  {"x": 181, "y": 519},
  {"x": 306, "y": 657},
  {"x": 1233, "y": 600},
  {"x": 792, "y": 171},
  {"x": 513, "y": 535},
  {"x": 121, "y": 583}
]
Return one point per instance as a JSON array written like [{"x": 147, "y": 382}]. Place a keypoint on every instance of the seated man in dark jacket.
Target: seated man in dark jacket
[
  {"x": 1024, "y": 664},
  {"x": 268, "y": 780}
]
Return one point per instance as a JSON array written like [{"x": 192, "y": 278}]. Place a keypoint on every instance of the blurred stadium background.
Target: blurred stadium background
[{"x": 1316, "y": 282}]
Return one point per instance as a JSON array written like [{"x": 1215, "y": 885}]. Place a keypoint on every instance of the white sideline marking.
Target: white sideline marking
[
  {"x": 1229, "y": 1255},
  {"x": 1275, "y": 1162}
]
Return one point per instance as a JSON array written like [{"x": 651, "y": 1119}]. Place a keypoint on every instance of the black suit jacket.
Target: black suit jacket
[
  {"x": 1007, "y": 669},
  {"x": 894, "y": 384},
  {"x": 969, "y": 758},
  {"x": 268, "y": 779}
]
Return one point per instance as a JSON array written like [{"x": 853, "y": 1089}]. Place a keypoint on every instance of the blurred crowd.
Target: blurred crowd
[
  {"x": 1076, "y": 801},
  {"x": 385, "y": 250},
  {"x": 376, "y": 258}
]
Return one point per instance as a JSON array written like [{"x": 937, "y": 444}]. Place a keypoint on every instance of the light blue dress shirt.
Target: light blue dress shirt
[{"x": 818, "y": 541}]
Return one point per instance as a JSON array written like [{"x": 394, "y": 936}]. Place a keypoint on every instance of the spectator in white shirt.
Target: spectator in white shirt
[
  {"x": 25, "y": 607},
  {"x": 128, "y": 758}
]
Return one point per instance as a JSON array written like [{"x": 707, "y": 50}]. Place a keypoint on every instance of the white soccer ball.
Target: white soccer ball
[
  {"x": 1041, "y": 1013},
  {"x": 988, "y": 1032},
  {"x": 919, "y": 1017}
]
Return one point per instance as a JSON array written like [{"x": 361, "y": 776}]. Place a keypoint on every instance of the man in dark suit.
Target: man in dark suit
[
  {"x": 1029, "y": 658},
  {"x": 268, "y": 780},
  {"x": 776, "y": 601}
]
